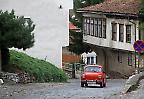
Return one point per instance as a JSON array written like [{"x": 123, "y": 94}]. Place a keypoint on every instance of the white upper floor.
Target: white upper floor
[{"x": 110, "y": 32}]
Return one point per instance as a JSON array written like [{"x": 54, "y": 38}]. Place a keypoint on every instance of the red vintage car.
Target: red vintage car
[{"x": 93, "y": 74}]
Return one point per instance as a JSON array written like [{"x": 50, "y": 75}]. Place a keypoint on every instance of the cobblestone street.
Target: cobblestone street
[{"x": 70, "y": 90}]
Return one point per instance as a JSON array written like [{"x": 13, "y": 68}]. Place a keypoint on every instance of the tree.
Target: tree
[
  {"x": 15, "y": 31},
  {"x": 92, "y": 2},
  {"x": 142, "y": 15},
  {"x": 78, "y": 46},
  {"x": 84, "y": 3}
]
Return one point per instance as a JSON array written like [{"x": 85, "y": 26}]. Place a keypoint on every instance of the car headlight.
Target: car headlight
[
  {"x": 83, "y": 75},
  {"x": 99, "y": 76}
]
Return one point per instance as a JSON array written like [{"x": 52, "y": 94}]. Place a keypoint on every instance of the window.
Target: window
[
  {"x": 95, "y": 27},
  {"x": 92, "y": 60},
  {"x": 130, "y": 59},
  {"x": 93, "y": 69},
  {"x": 121, "y": 32},
  {"x": 92, "y": 27},
  {"x": 100, "y": 27},
  {"x": 88, "y": 26},
  {"x": 128, "y": 33},
  {"x": 114, "y": 31},
  {"x": 104, "y": 28},
  {"x": 119, "y": 57},
  {"x": 85, "y": 26},
  {"x": 88, "y": 60}
]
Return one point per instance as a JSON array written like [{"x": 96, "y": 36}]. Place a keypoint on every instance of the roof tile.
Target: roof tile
[{"x": 116, "y": 6}]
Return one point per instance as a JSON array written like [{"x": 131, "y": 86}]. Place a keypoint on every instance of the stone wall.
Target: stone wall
[{"x": 16, "y": 77}]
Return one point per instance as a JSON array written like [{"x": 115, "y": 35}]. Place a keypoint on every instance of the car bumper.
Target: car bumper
[{"x": 92, "y": 81}]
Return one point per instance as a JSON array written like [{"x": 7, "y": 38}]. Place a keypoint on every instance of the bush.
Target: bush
[{"x": 42, "y": 71}]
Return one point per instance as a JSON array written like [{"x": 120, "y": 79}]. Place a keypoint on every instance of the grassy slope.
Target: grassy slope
[{"x": 43, "y": 71}]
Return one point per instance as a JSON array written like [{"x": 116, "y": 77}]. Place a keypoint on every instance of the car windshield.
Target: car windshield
[{"x": 93, "y": 69}]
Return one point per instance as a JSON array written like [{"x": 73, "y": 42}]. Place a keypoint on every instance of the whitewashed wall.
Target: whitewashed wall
[{"x": 51, "y": 32}]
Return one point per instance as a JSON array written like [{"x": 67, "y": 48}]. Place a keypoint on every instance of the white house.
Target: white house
[
  {"x": 51, "y": 32},
  {"x": 89, "y": 58},
  {"x": 111, "y": 28}
]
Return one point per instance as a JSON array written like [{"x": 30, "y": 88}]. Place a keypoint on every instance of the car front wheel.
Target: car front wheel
[
  {"x": 104, "y": 83},
  {"x": 101, "y": 85},
  {"x": 82, "y": 84}
]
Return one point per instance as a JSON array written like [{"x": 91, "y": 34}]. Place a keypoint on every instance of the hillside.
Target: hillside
[{"x": 42, "y": 71}]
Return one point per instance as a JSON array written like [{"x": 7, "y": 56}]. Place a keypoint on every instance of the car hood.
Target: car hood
[{"x": 92, "y": 75}]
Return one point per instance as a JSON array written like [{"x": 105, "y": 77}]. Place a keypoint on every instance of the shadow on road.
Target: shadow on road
[{"x": 93, "y": 87}]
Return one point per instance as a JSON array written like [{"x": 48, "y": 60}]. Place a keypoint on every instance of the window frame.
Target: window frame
[
  {"x": 119, "y": 57},
  {"x": 128, "y": 33},
  {"x": 121, "y": 33},
  {"x": 130, "y": 58},
  {"x": 95, "y": 27},
  {"x": 114, "y": 31},
  {"x": 91, "y": 26}
]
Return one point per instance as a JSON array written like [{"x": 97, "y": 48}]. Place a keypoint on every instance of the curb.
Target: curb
[{"x": 132, "y": 82}]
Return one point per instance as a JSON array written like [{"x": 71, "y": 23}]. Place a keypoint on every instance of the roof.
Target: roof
[
  {"x": 72, "y": 26},
  {"x": 116, "y": 6}
]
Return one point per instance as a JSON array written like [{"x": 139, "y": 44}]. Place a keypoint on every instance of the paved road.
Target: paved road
[{"x": 72, "y": 90}]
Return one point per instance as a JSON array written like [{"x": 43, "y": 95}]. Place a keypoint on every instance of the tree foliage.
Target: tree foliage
[
  {"x": 15, "y": 31},
  {"x": 84, "y": 3},
  {"x": 77, "y": 45},
  {"x": 142, "y": 15}
]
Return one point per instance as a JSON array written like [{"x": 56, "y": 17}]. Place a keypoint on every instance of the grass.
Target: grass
[{"x": 42, "y": 71}]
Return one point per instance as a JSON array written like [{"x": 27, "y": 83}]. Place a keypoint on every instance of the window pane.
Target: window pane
[
  {"x": 84, "y": 26},
  {"x": 92, "y": 27},
  {"x": 88, "y": 60},
  {"x": 96, "y": 27},
  {"x": 88, "y": 26},
  {"x": 130, "y": 59},
  {"x": 114, "y": 31},
  {"x": 93, "y": 69},
  {"x": 119, "y": 57},
  {"x": 100, "y": 28},
  {"x": 128, "y": 33},
  {"x": 92, "y": 60},
  {"x": 104, "y": 28},
  {"x": 121, "y": 32}
]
